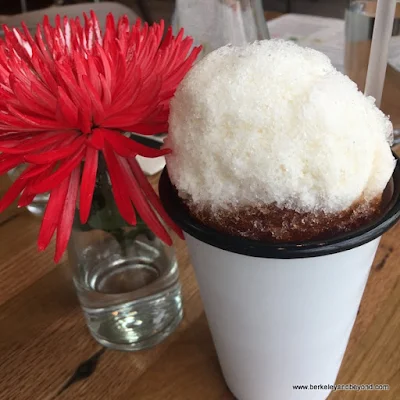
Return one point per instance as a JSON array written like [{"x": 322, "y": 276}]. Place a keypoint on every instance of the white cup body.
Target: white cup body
[{"x": 280, "y": 322}]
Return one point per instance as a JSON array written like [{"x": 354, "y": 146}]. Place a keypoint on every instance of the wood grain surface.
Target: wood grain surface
[{"x": 44, "y": 339}]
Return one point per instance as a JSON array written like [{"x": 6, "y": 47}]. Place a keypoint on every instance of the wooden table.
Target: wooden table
[{"x": 44, "y": 339}]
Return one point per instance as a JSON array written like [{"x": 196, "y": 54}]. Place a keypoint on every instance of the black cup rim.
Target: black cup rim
[{"x": 249, "y": 247}]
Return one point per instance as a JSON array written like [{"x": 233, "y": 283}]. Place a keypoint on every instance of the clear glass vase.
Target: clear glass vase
[{"x": 126, "y": 279}]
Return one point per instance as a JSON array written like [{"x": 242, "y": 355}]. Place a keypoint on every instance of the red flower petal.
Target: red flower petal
[
  {"x": 148, "y": 129},
  {"x": 41, "y": 92},
  {"x": 48, "y": 31},
  {"x": 97, "y": 139},
  {"x": 68, "y": 109},
  {"x": 97, "y": 107},
  {"x": 12, "y": 139},
  {"x": 119, "y": 188},
  {"x": 62, "y": 172},
  {"x": 34, "y": 170},
  {"x": 110, "y": 33},
  {"x": 67, "y": 216},
  {"x": 31, "y": 121},
  {"x": 88, "y": 183},
  {"x": 106, "y": 65},
  {"x": 11, "y": 38},
  {"x": 25, "y": 98},
  {"x": 128, "y": 147},
  {"x": 94, "y": 75},
  {"x": 80, "y": 67},
  {"x": 12, "y": 193},
  {"x": 41, "y": 45},
  {"x": 52, "y": 214},
  {"x": 152, "y": 196},
  {"x": 167, "y": 40},
  {"x": 36, "y": 142},
  {"x": 96, "y": 27},
  {"x": 70, "y": 146},
  {"x": 79, "y": 98},
  {"x": 107, "y": 98},
  {"x": 28, "y": 196},
  {"x": 10, "y": 162},
  {"x": 141, "y": 204}
]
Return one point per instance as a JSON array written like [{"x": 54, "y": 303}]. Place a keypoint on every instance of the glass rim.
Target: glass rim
[{"x": 178, "y": 211}]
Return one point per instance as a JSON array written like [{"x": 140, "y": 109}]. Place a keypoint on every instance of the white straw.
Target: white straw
[{"x": 379, "y": 49}]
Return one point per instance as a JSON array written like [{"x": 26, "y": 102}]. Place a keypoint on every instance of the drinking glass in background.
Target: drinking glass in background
[
  {"x": 240, "y": 22},
  {"x": 215, "y": 23},
  {"x": 360, "y": 18}
]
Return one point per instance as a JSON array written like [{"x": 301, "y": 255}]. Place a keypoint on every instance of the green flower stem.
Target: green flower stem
[
  {"x": 104, "y": 213},
  {"x": 119, "y": 236}
]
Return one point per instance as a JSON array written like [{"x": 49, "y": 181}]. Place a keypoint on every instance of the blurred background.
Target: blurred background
[{"x": 157, "y": 9}]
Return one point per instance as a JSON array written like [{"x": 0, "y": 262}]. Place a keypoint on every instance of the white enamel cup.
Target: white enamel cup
[{"x": 280, "y": 315}]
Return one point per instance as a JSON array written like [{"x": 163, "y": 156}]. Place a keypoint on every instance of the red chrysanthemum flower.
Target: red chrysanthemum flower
[{"x": 72, "y": 92}]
